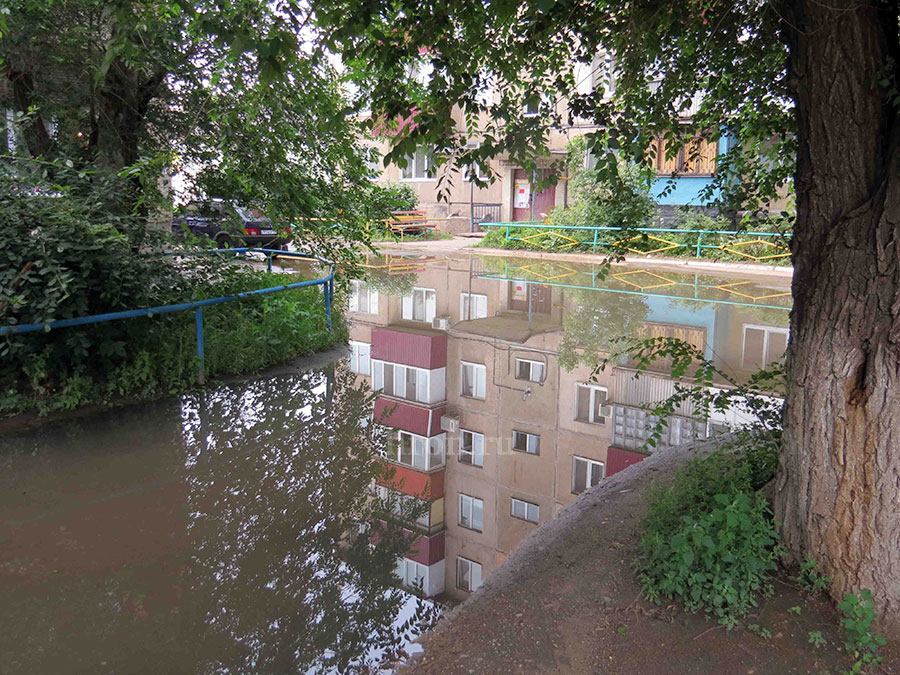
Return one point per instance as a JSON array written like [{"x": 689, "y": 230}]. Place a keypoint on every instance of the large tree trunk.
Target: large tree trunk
[{"x": 838, "y": 491}]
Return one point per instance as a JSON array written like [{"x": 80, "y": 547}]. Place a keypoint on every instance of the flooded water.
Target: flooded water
[{"x": 219, "y": 532}]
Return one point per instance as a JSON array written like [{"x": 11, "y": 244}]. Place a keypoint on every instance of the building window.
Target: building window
[
  {"x": 419, "y": 165},
  {"x": 481, "y": 172},
  {"x": 591, "y": 404},
  {"x": 360, "y": 353},
  {"x": 586, "y": 473},
  {"x": 525, "y": 442},
  {"x": 399, "y": 381},
  {"x": 363, "y": 299},
  {"x": 411, "y": 573},
  {"x": 633, "y": 426},
  {"x": 697, "y": 157},
  {"x": 471, "y": 448},
  {"x": 373, "y": 160},
  {"x": 417, "y": 451},
  {"x": 533, "y": 371},
  {"x": 532, "y": 107},
  {"x": 525, "y": 510},
  {"x": 420, "y": 305},
  {"x": 468, "y": 574},
  {"x": 471, "y": 513},
  {"x": 762, "y": 345},
  {"x": 473, "y": 380},
  {"x": 603, "y": 74},
  {"x": 472, "y": 306},
  {"x": 402, "y": 506}
]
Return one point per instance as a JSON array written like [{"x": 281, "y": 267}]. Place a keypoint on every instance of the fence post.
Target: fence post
[
  {"x": 268, "y": 262},
  {"x": 594, "y": 247},
  {"x": 201, "y": 355},
  {"x": 507, "y": 232},
  {"x": 328, "y": 287},
  {"x": 699, "y": 239}
]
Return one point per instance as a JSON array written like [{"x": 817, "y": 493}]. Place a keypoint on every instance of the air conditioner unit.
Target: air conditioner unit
[
  {"x": 450, "y": 423},
  {"x": 441, "y": 323}
]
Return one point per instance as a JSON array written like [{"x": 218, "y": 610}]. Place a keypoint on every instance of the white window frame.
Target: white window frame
[
  {"x": 358, "y": 351},
  {"x": 465, "y": 303},
  {"x": 529, "y": 511},
  {"x": 535, "y": 112},
  {"x": 358, "y": 287},
  {"x": 475, "y": 456},
  {"x": 531, "y": 364},
  {"x": 409, "y": 172},
  {"x": 481, "y": 173},
  {"x": 426, "y": 454},
  {"x": 605, "y": 409},
  {"x": 399, "y": 375},
  {"x": 420, "y": 571},
  {"x": 474, "y": 579},
  {"x": 480, "y": 385},
  {"x": 767, "y": 331},
  {"x": 409, "y": 304},
  {"x": 385, "y": 494},
  {"x": 590, "y": 464},
  {"x": 467, "y": 504},
  {"x": 532, "y": 443}
]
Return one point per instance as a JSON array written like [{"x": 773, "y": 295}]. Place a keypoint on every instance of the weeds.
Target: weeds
[
  {"x": 862, "y": 643},
  {"x": 809, "y": 579},
  {"x": 709, "y": 539}
]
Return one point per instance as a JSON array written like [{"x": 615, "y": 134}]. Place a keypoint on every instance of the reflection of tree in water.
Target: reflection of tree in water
[
  {"x": 391, "y": 285},
  {"x": 280, "y": 483},
  {"x": 593, "y": 320}
]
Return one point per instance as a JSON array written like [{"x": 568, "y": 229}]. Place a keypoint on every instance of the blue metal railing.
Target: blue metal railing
[
  {"x": 327, "y": 283},
  {"x": 769, "y": 239}
]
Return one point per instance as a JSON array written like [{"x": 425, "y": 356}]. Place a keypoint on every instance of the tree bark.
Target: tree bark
[
  {"x": 37, "y": 137},
  {"x": 838, "y": 488}
]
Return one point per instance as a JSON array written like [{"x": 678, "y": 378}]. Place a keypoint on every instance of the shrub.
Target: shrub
[
  {"x": 64, "y": 256},
  {"x": 709, "y": 538}
]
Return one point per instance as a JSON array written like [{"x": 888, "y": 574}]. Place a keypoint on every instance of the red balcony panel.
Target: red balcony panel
[
  {"x": 618, "y": 459},
  {"x": 424, "y": 549},
  {"x": 422, "y": 350},
  {"x": 410, "y": 417},
  {"x": 415, "y": 482},
  {"x": 428, "y": 550}
]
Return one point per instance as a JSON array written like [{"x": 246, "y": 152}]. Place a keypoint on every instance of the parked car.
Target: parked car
[{"x": 229, "y": 225}]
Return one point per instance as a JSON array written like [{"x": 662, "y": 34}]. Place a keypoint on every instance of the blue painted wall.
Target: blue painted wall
[
  {"x": 700, "y": 315},
  {"x": 687, "y": 188}
]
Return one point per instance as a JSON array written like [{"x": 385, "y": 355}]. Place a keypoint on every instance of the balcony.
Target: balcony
[
  {"x": 419, "y": 348},
  {"x": 408, "y": 417}
]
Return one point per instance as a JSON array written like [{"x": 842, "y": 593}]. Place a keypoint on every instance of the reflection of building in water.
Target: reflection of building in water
[{"x": 488, "y": 427}]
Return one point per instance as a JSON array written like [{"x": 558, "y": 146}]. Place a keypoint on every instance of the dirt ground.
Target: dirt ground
[{"x": 567, "y": 601}]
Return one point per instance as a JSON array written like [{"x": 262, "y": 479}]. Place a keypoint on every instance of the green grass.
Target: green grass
[{"x": 149, "y": 357}]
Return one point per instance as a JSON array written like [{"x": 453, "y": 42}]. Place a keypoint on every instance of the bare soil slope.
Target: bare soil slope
[{"x": 568, "y": 602}]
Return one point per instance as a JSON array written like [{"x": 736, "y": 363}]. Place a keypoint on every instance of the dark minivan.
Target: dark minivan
[{"x": 228, "y": 225}]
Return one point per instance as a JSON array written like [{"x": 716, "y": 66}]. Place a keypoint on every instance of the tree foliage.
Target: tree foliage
[
  {"x": 721, "y": 62},
  {"x": 625, "y": 203},
  {"x": 228, "y": 92}
]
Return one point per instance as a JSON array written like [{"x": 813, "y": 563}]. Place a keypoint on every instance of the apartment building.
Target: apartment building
[
  {"x": 516, "y": 194},
  {"x": 489, "y": 429}
]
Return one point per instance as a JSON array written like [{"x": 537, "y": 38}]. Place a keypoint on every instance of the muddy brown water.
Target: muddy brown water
[{"x": 208, "y": 533}]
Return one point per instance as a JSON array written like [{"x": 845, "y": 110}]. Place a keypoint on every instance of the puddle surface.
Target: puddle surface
[{"x": 214, "y": 533}]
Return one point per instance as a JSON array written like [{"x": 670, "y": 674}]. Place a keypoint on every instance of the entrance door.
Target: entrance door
[
  {"x": 523, "y": 196},
  {"x": 520, "y": 294}
]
